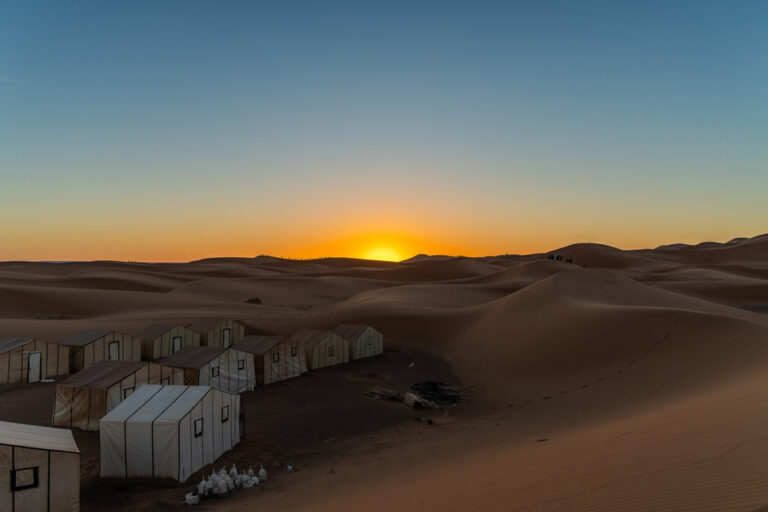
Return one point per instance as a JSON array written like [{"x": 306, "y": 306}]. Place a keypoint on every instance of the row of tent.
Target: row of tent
[
  {"x": 162, "y": 419},
  {"x": 27, "y": 360},
  {"x": 85, "y": 397},
  {"x": 30, "y": 360}
]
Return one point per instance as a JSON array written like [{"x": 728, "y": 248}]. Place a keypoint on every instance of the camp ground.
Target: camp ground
[
  {"x": 226, "y": 369},
  {"x": 218, "y": 332},
  {"x": 168, "y": 432},
  {"x": 323, "y": 348},
  {"x": 39, "y": 469},
  {"x": 159, "y": 419},
  {"x": 85, "y": 397},
  {"x": 161, "y": 340},
  {"x": 30, "y": 360},
  {"x": 89, "y": 347},
  {"x": 364, "y": 340},
  {"x": 275, "y": 358}
]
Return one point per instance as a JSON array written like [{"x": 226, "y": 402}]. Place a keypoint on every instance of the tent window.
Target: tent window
[
  {"x": 294, "y": 351},
  {"x": 276, "y": 357},
  {"x": 226, "y": 336},
  {"x": 214, "y": 371},
  {"x": 369, "y": 339},
  {"x": 199, "y": 427},
  {"x": 241, "y": 364},
  {"x": 331, "y": 351},
  {"x": 25, "y": 478},
  {"x": 128, "y": 392},
  {"x": 225, "y": 414},
  {"x": 176, "y": 344},
  {"x": 113, "y": 350}
]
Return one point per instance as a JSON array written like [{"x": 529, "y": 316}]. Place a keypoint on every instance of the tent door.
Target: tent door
[
  {"x": 176, "y": 344},
  {"x": 33, "y": 375},
  {"x": 226, "y": 334},
  {"x": 114, "y": 350}
]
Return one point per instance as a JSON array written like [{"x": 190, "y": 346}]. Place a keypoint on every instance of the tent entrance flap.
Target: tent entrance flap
[{"x": 34, "y": 367}]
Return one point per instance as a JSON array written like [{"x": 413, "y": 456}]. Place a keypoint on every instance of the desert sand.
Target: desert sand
[{"x": 625, "y": 380}]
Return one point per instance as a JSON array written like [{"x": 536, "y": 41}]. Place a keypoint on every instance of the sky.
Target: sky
[{"x": 171, "y": 131}]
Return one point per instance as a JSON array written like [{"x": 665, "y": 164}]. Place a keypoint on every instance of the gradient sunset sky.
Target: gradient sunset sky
[{"x": 170, "y": 131}]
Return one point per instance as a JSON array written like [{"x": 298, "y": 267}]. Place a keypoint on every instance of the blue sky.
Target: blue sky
[{"x": 479, "y": 127}]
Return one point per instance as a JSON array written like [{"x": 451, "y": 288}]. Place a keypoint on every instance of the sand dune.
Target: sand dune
[{"x": 644, "y": 371}]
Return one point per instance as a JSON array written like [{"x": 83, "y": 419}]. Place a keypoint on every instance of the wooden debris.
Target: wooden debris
[
  {"x": 383, "y": 393},
  {"x": 423, "y": 395},
  {"x": 418, "y": 402}
]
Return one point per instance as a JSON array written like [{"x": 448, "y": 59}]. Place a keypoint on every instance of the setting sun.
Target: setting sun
[{"x": 383, "y": 254}]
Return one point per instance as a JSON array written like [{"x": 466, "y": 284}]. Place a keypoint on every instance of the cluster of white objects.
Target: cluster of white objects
[{"x": 222, "y": 484}]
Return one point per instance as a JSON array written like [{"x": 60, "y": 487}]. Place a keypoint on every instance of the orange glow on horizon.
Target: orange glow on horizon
[
  {"x": 389, "y": 238},
  {"x": 383, "y": 254}
]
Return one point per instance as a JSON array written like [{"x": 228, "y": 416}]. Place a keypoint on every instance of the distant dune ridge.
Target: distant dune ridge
[{"x": 646, "y": 368}]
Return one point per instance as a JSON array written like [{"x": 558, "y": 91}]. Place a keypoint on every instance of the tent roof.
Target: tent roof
[
  {"x": 191, "y": 357},
  {"x": 351, "y": 331},
  {"x": 258, "y": 344},
  {"x": 311, "y": 337},
  {"x": 8, "y": 344},
  {"x": 33, "y": 436},
  {"x": 103, "y": 374},
  {"x": 155, "y": 331},
  {"x": 152, "y": 403},
  {"x": 83, "y": 338}
]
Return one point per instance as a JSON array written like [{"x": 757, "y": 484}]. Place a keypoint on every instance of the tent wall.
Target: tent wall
[
  {"x": 216, "y": 337},
  {"x": 367, "y": 344},
  {"x": 331, "y": 351},
  {"x": 218, "y": 436},
  {"x": 58, "y": 484},
  {"x": 232, "y": 371},
  {"x": 162, "y": 346},
  {"x": 65, "y": 487},
  {"x": 84, "y": 407},
  {"x": 161, "y": 447},
  {"x": 286, "y": 360},
  {"x": 83, "y": 356},
  {"x": 192, "y": 376},
  {"x": 14, "y": 364},
  {"x": 166, "y": 375}
]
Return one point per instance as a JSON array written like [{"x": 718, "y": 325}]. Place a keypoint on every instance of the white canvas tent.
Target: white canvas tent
[
  {"x": 39, "y": 469},
  {"x": 85, "y": 397},
  {"x": 218, "y": 332},
  {"x": 364, "y": 340},
  {"x": 168, "y": 431},
  {"x": 275, "y": 358},
  {"x": 226, "y": 369},
  {"x": 161, "y": 340},
  {"x": 30, "y": 360},
  {"x": 324, "y": 348},
  {"x": 89, "y": 347}
]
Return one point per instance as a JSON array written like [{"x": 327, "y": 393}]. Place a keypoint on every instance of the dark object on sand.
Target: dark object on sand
[
  {"x": 384, "y": 394},
  {"x": 437, "y": 392},
  {"x": 423, "y": 395},
  {"x": 254, "y": 300}
]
